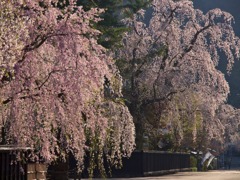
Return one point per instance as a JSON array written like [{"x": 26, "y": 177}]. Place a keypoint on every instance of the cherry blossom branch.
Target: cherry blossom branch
[
  {"x": 37, "y": 88},
  {"x": 194, "y": 39}
]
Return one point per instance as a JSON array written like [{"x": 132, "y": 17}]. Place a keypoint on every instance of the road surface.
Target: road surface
[{"x": 211, "y": 175}]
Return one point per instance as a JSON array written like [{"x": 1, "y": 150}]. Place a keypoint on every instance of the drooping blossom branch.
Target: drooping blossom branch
[{"x": 52, "y": 88}]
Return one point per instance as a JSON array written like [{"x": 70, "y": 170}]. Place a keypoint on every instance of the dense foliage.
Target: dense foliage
[
  {"x": 60, "y": 93},
  {"x": 169, "y": 69},
  {"x": 114, "y": 11}
]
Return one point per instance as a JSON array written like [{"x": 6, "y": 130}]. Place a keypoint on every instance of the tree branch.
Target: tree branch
[
  {"x": 156, "y": 100},
  {"x": 194, "y": 39}
]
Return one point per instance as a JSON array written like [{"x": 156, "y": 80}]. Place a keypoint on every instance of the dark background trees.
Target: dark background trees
[{"x": 115, "y": 10}]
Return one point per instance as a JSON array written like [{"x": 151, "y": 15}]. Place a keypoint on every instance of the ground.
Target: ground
[{"x": 210, "y": 175}]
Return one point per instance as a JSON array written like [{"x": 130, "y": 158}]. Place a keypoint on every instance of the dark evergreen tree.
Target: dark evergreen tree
[{"x": 115, "y": 10}]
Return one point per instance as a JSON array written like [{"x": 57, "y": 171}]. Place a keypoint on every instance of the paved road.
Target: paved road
[{"x": 212, "y": 175}]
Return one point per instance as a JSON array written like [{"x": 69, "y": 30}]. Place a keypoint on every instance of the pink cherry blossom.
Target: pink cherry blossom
[
  {"x": 173, "y": 51},
  {"x": 52, "y": 85}
]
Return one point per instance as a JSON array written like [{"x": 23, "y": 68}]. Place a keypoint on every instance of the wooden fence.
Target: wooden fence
[
  {"x": 147, "y": 163},
  {"x": 13, "y": 169},
  {"x": 141, "y": 163}
]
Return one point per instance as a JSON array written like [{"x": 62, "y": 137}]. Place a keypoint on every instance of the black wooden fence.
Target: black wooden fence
[
  {"x": 153, "y": 163},
  {"x": 148, "y": 163},
  {"x": 10, "y": 168},
  {"x": 13, "y": 169},
  {"x": 141, "y": 163}
]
